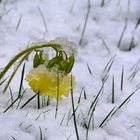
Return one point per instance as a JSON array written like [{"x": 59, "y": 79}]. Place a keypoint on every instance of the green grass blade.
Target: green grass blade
[
  {"x": 14, "y": 72},
  {"x": 122, "y": 77},
  {"x": 89, "y": 69},
  {"x": 28, "y": 101},
  {"x": 21, "y": 81},
  {"x": 96, "y": 98},
  {"x": 74, "y": 116},
  {"x": 108, "y": 115},
  {"x": 113, "y": 91}
]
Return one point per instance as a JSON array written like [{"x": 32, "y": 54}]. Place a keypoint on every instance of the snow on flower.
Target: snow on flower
[
  {"x": 50, "y": 77},
  {"x": 45, "y": 82}
]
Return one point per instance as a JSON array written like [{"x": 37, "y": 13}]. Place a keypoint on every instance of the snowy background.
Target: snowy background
[{"x": 23, "y": 22}]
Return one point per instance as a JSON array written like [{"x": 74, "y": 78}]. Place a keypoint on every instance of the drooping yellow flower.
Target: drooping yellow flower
[{"x": 45, "y": 82}]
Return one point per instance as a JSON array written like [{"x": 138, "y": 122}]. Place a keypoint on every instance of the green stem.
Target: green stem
[
  {"x": 54, "y": 46},
  {"x": 57, "y": 94},
  {"x": 38, "y": 100}
]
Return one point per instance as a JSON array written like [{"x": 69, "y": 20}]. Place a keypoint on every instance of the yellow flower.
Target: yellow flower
[{"x": 45, "y": 82}]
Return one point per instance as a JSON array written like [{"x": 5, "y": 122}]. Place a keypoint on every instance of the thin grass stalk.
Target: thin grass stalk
[
  {"x": 132, "y": 44},
  {"x": 122, "y": 104},
  {"x": 137, "y": 24},
  {"x": 90, "y": 117},
  {"x": 3, "y": 81},
  {"x": 13, "y": 138},
  {"x": 74, "y": 116},
  {"x": 11, "y": 104},
  {"x": 28, "y": 101},
  {"x": 122, "y": 78},
  {"x": 68, "y": 117},
  {"x": 21, "y": 81},
  {"x": 80, "y": 95},
  {"x": 6, "y": 13},
  {"x": 102, "y": 3},
  {"x": 28, "y": 126},
  {"x": 43, "y": 19},
  {"x": 131, "y": 77},
  {"x": 48, "y": 101},
  {"x": 38, "y": 117},
  {"x": 105, "y": 44},
  {"x": 21, "y": 98},
  {"x": 107, "y": 68},
  {"x": 38, "y": 100},
  {"x": 109, "y": 64},
  {"x": 90, "y": 72},
  {"x": 41, "y": 135},
  {"x": 11, "y": 95},
  {"x": 73, "y": 3},
  {"x": 122, "y": 34},
  {"x": 135, "y": 66},
  {"x": 74, "y": 111},
  {"x": 18, "y": 24},
  {"x": 85, "y": 23},
  {"x": 85, "y": 96},
  {"x": 106, "y": 118},
  {"x": 57, "y": 95},
  {"x": 128, "y": 8},
  {"x": 62, "y": 119},
  {"x": 68, "y": 137},
  {"x": 113, "y": 91},
  {"x": 92, "y": 121},
  {"x": 95, "y": 100},
  {"x": 14, "y": 72}
]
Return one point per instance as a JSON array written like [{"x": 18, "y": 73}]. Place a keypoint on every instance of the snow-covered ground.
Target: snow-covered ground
[{"x": 23, "y": 22}]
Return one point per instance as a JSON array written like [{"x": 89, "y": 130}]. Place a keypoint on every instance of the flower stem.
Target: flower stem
[
  {"x": 54, "y": 46},
  {"x": 57, "y": 94}
]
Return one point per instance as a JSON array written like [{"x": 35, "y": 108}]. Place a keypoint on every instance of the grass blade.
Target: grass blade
[
  {"x": 28, "y": 101},
  {"x": 43, "y": 19},
  {"x": 89, "y": 69},
  {"x": 95, "y": 100},
  {"x": 108, "y": 115},
  {"x": 21, "y": 98},
  {"x": 80, "y": 95},
  {"x": 57, "y": 94},
  {"x": 38, "y": 100},
  {"x": 11, "y": 105},
  {"x": 122, "y": 77},
  {"x": 85, "y": 24},
  {"x": 41, "y": 135},
  {"x": 74, "y": 116},
  {"x": 113, "y": 91},
  {"x": 3, "y": 81},
  {"x": 21, "y": 81},
  {"x": 89, "y": 121},
  {"x": 14, "y": 72},
  {"x": 17, "y": 27},
  {"x": 122, "y": 104},
  {"x": 11, "y": 95},
  {"x": 122, "y": 34}
]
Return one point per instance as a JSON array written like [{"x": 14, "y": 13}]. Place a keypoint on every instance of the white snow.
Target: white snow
[{"x": 65, "y": 18}]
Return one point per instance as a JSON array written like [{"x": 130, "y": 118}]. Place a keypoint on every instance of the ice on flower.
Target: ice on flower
[
  {"x": 68, "y": 46},
  {"x": 45, "y": 82}
]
